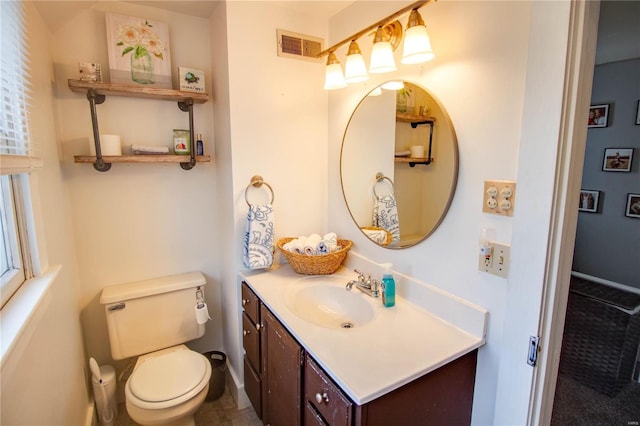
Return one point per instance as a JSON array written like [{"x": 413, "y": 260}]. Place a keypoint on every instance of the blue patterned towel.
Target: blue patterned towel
[
  {"x": 258, "y": 238},
  {"x": 385, "y": 215}
]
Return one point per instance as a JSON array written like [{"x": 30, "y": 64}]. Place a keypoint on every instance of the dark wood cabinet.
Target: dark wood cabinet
[
  {"x": 251, "y": 340},
  {"x": 287, "y": 387},
  {"x": 282, "y": 358}
]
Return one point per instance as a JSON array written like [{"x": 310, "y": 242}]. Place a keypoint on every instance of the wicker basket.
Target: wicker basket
[
  {"x": 601, "y": 336},
  {"x": 377, "y": 228},
  {"x": 323, "y": 264}
]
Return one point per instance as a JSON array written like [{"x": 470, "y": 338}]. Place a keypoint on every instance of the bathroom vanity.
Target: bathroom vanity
[{"x": 317, "y": 354}]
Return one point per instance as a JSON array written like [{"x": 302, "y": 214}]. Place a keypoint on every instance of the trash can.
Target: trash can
[{"x": 218, "y": 362}]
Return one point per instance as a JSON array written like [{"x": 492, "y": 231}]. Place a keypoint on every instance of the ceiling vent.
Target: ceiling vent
[{"x": 299, "y": 46}]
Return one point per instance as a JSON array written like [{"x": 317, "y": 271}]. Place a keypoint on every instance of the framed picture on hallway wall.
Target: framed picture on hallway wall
[
  {"x": 599, "y": 115},
  {"x": 633, "y": 206},
  {"x": 138, "y": 51},
  {"x": 589, "y": 201},
  {"x": 617, "y": 159}
]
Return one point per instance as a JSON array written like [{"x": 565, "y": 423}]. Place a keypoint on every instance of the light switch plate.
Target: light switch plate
[
  {"x": 499, "y": 197},
  {"x": 500, "y": 259}
]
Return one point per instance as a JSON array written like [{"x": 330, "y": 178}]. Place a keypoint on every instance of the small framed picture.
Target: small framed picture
[
  {"x": 191, "y": 80},
  {"x": 599, "y": 115},
  {"x": 617, "y": 159},
  {"x": 589, "y": 201},
  {"x": 638, "y": 113},
  {"x": 633, "y": 206}
]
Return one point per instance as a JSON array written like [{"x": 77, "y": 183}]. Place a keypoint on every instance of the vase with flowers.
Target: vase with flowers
[{"x": 141, "y": 41}]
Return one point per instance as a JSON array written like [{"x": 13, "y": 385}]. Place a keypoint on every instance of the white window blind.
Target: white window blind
[{"x": 17, "y": 153}]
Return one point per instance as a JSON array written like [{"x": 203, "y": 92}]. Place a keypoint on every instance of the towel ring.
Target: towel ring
[
  {"x": 379, "y": 178},
  {"x": 257, "y": 182}
]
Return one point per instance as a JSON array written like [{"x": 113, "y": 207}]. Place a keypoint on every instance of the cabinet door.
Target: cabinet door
[{"x": 282, "y": 374}]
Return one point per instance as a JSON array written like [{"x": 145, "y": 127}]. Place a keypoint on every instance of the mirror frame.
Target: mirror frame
[{"x": 455, "y": 165}]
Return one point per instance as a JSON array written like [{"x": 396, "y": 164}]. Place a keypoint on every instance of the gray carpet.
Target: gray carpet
[{"x": 576, "y": 404}]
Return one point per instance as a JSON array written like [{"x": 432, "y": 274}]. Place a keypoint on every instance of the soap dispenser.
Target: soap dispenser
[{"x": 388, "y": 286}]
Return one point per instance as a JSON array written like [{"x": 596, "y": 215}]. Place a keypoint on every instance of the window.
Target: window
[{"x": 17, "y": 153}]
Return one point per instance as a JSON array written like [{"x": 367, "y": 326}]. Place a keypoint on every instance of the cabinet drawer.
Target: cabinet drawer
[
  {"x": 323, "y": 395},
  {"x": 311, "y": 416},
  {"x": 251, "y": 342},
  {"x": 253, "y": 386},
  {"x": 250, "y": 304}
]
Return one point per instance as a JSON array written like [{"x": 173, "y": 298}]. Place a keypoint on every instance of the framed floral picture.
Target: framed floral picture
[
  {"x": 617, "y": 159},
  {"x": 138, "y": 51},
  {"x": 598, "y": 115},
  {"x": 589, "y": 201},
  {"x": 633, "y": 206}
]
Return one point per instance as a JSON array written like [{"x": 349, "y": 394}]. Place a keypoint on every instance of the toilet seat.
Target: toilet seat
[{"x": 168, "y": 379}]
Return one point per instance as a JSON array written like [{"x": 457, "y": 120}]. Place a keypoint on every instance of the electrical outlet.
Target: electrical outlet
[
  {"x": 497, "y": 262},
  {"x": 499, "y": 197}
]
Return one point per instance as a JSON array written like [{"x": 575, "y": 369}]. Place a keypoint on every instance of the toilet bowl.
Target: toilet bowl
[{"x": 167, "y": 387}]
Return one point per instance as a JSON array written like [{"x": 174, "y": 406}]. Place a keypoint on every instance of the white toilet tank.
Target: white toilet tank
[{"x": 146, "y": 316}]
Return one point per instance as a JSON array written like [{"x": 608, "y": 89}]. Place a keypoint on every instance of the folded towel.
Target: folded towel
[
  {"x": 296, "y": 245},
  {"x": 311, "y": 245},
  {"x": 258, "y": 239},
  {"x": 141, "y": 149},
  {"x": 328, "y": 244},
  {"x": 376, "y": 235},
  {"x": 385, "y": 215}
]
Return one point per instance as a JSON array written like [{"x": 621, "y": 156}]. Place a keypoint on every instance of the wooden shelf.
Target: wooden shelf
[
  {"x": 416, "y": 160},
  {"x": 117, "y": 89},
  {"x": 153, "y": 158},
  {"x": 411, "y": 118}
]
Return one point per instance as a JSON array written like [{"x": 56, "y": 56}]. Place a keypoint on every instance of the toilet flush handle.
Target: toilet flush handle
[{"x": 116, "y": 307}]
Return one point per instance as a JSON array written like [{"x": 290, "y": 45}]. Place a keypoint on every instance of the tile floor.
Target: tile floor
[{"x": 222, "y": 411}]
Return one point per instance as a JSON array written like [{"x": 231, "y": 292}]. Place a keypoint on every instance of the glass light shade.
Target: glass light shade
[
  {"x": 355, "y": 70},
  {"x": 417, "y": 46},
  {"x": 333, "y": 77},
  {"x": 382, "y": 58}
]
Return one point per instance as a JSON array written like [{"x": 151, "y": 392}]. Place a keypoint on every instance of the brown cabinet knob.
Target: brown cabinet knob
[
  {"x": 246, "y": 332},
  {"x": 245, "y": 302}
]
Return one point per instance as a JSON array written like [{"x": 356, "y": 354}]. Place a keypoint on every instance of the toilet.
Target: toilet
[{"x": 152, "y": 320}]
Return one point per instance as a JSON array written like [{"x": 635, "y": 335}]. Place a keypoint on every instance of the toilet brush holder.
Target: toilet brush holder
[{"x": 104, "y": 393}]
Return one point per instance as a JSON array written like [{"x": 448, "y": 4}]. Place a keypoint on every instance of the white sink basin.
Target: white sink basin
[{"x": 330, "y": 305}]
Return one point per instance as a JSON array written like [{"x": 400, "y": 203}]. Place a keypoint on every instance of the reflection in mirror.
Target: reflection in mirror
[{"x": 399, "y": 165}]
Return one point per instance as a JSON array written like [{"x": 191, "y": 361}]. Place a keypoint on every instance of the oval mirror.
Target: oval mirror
[{"x": 398, "y": 164}]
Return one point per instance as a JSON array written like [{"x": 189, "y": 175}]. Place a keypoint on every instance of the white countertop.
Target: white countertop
[{"x": 398, "y": 345}]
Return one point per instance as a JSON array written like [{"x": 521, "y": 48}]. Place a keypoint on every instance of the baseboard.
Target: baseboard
[{"x": 236, "y": 389}]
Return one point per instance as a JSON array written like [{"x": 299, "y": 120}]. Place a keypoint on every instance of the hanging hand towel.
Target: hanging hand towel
[
  {"x": 385, "y": 215},
  {"x": 258, "y": 239}
]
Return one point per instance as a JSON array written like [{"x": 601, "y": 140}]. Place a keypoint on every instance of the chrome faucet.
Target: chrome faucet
[{"x": 368, "y": 285}]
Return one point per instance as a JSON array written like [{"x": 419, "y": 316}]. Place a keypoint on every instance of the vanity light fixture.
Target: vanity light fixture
[
  {"x": 388, "y": 33},
  {"x": 417, "y": 46},
  {"x": 382, "y": 54},
  {"x": 355, "y": 70},
  {"x": 333, "y": 77}
]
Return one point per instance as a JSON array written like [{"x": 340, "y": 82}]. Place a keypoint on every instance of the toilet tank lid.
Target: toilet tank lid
[{"x": 134, "y": 290}]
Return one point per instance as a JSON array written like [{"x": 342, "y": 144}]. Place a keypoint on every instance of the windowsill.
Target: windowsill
[{"x": 20, "y": 316}]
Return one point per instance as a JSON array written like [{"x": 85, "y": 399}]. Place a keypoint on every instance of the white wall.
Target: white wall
[
  {"x": 484, "y": 75},
  {"x": 277, "y": 129},
  {"x": 136, "y": 221},
  {"x": 43, "y": 379}
]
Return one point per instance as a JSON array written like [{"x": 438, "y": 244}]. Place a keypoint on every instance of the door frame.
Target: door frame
[{"x": 583, "y": 31}]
